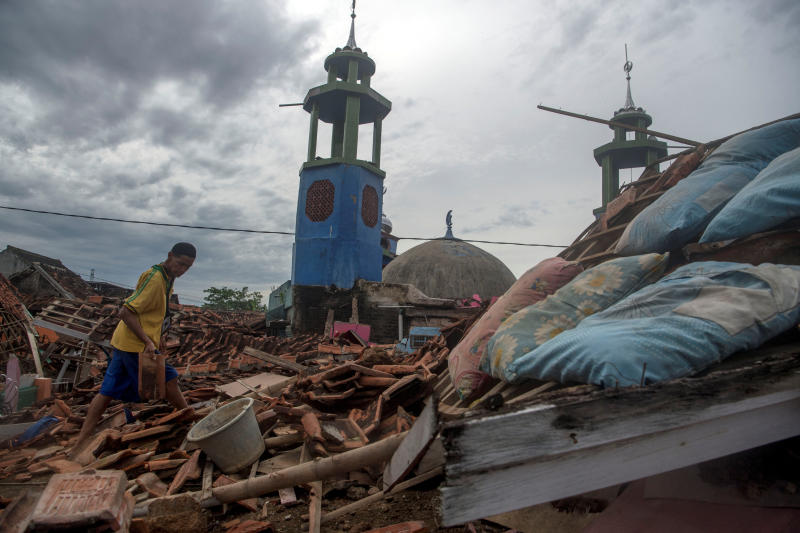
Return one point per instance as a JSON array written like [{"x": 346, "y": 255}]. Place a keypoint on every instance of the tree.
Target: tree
[{"x": 233, "y": 299}]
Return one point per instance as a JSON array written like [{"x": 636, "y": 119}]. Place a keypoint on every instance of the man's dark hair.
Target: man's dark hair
[{"x": 184, "y": 248}]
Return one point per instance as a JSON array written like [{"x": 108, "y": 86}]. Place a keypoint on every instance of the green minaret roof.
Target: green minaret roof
[
  {"x": 346, "y": 101},
  {"x": 623, "y": 151}
]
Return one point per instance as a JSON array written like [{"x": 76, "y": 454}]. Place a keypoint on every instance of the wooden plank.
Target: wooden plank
[
  {"x": 590, "y": 248},
  {"x": 491, "y": 392},
  {"x": 442, "y": 381},
  {"x": 34, "y": 350},
  {"x": 58, "y": 328},
  {"x": 533, "y": 392},
  {"x": 449, "y": 411},
  {"x": 551, "y": 452},
  {"x": 258, "y": 384},
  {"x": 450, "y": 396},
  {"x": 608, "y": 254},
  {"x": 274, "y": 360},
  {"x": 280, "y": 461},
  {"x": 273, "y": 390},
  {"x": 53, "y": 314},
  {"x": 315, "y": 507},
  {"x": 571, "y": 474},
  {"x": 68, "y": 332},
  {"x": 414, "y": 446},
  {"x": 56, "y": 285},
  {"x": 543, "y": 429},
  {"x": 208, "y": 478}
]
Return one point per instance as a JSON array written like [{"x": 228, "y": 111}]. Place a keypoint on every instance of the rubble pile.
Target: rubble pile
[
  {"x": 309, "y": 402},
  {"x": 197, "y": 336},
  {"x": 14, "y": 324}
]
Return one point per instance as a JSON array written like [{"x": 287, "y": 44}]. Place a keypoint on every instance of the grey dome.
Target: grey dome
[{"x": 450, "y": 268}]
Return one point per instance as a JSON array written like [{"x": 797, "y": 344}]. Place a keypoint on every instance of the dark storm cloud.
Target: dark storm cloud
[
  {"x": 89, "y": 62},
  {"x": 178, "y": 193},
  {"x": 124, "y": 181},
  {"x": 218, "y": 169},
  {"x": 220, "y": 215},
  {"x": 13, "y": 187},
  {"x": 171, "y": 128}
]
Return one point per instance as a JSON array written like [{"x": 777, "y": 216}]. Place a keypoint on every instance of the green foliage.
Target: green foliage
[{"x": 233, "y": 299}]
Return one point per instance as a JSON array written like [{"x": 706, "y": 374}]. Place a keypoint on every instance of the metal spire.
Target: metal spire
[
  {"x": 351, "y": 42},
  {"x": 627, "y": 68}
]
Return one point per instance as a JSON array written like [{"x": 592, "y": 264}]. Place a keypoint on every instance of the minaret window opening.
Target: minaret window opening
[
  {"x": 319, "y": 200},
  {"x": 365, "y": 140},
  {"x": 324, "y": 133},
  {"x": 369, "y": 206},
  {"x": 324, "y": 141}
]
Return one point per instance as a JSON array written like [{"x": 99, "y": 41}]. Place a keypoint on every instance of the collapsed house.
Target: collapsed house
[
  {"x": 40, "y": 278},
  {"x": 339, "y": 413}
]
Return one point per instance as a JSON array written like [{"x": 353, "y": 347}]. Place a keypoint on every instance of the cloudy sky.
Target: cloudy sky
[{"x": 167, "y": 111}]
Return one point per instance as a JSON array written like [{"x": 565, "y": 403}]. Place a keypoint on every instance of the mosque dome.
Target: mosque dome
[{"x": 450, "y": 268}]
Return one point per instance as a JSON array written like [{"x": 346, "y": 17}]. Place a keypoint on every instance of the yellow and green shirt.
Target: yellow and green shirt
[{"x": 149, "y": 302}]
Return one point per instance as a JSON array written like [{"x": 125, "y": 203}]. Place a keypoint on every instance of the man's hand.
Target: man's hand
[{"x": 150, "y": 349}]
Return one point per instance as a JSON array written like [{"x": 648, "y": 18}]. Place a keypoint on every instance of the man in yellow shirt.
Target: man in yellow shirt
[{"x": 142, "y": 316}]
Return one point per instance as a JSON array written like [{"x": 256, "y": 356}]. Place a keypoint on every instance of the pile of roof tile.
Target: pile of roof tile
[
  {"x": 43, "y": 281},
  {"x": 14, "y": 324},
  {"x": 197, "y": 336},
  {"x": 322, "y": 408}
]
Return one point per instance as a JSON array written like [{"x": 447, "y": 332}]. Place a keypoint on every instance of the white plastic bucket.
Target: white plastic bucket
[{"x": 230, "y": 436}]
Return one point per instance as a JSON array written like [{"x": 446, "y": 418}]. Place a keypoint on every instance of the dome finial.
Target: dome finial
[
  {"x": 449, "y": 221},
  {"x": 627, "y": 68},
  {"x": 351, "y": 42}
]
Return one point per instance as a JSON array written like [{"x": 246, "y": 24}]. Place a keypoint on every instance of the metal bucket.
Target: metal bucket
[{"x": 230, "y": 436}]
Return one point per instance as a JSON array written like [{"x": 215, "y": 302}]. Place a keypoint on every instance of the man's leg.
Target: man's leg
[
  {"x": 174, "y": 394},
  {"x": 96, "y": 409}
]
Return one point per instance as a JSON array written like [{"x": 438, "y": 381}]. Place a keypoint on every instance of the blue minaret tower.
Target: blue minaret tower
[{"x": 339, "y": 206}]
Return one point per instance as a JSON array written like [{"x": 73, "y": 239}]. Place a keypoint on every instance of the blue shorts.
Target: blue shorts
[{"x": 122, "y": 376}]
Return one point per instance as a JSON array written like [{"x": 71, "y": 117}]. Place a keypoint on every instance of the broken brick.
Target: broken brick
[
  {"x": 84, "y": 498},
  {"x": 152, "y": 484}
]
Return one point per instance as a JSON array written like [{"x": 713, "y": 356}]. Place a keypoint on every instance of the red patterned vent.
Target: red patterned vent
[
  {"x": 369, "y": 206},
  {"x": 319, "y": 200}
]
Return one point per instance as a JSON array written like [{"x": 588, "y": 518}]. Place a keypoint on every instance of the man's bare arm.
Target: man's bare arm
[{"x": 131, "y": 320}]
